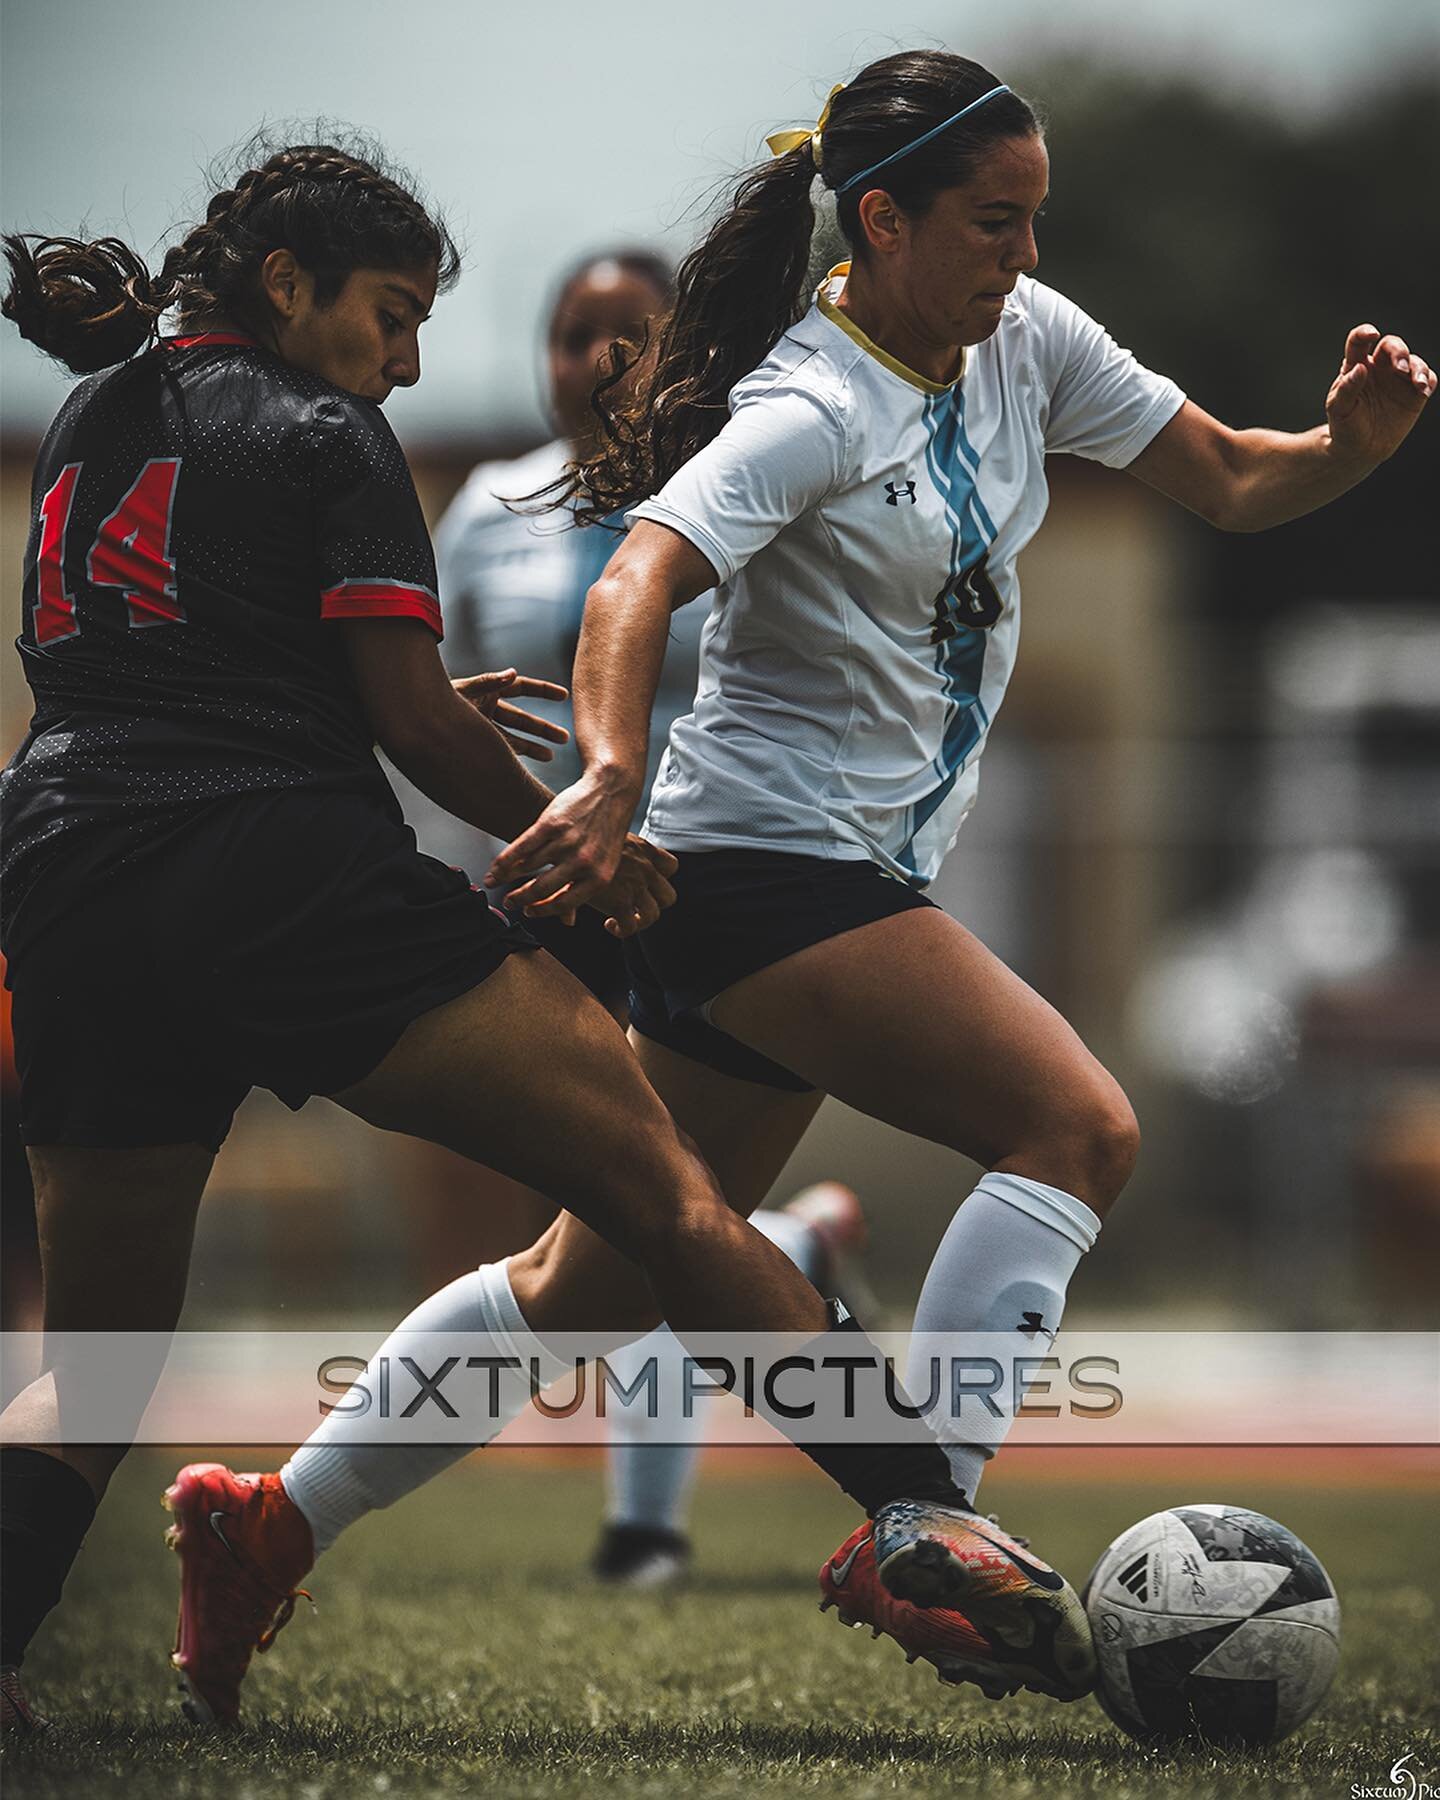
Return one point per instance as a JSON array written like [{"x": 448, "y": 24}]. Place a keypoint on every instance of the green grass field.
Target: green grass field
[{"x": 459, "y": 1649}]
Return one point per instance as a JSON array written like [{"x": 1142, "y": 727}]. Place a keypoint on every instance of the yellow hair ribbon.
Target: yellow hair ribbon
[{"x": 781, "y": 143}]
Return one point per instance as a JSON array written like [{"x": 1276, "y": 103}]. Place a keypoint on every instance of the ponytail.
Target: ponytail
[{"x": 88, "y": 305}]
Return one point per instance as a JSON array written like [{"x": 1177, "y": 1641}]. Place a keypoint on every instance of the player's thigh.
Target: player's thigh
[
  {"x": 116, "y": 1229},
  {"x": 913, "y": 1021},
  {"x": 530, "y": 1075},
  {"x": 746, "y": 1133}
]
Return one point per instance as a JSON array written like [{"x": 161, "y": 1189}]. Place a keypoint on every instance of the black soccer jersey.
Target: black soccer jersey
[{"x": 199, "y": 517}]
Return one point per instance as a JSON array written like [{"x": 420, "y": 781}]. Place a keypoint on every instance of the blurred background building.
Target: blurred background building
[{"x": 1209, "y": 826}]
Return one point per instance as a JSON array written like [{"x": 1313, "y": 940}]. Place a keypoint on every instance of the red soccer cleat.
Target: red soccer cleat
[
  {"x": 851, "y": 1584},
  {"x": 1033, "y": 1620},
  {"x": 17, "y": 1716},
  {"x": 243, "y": 1546}
]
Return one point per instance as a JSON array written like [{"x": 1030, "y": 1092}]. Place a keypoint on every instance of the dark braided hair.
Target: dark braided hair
[
  {"x": 745, "y": 285},
  {"x": 94, "y": 304}
]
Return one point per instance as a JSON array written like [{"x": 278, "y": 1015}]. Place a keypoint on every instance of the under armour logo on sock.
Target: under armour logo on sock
[
  {"x": 1032, "y": 1324},
  {"x": 896, "y": 491}
]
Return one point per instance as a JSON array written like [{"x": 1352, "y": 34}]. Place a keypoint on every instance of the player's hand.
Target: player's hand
[
  {"x": 641, "y": 889},
  {"x": 520, "y": 729},
  {"x": 1378, "y": 395},
  {"x": 572, "y": 850}
]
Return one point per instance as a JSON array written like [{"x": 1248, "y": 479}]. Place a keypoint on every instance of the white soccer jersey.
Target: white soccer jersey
[{"x": 865, "y": 523}]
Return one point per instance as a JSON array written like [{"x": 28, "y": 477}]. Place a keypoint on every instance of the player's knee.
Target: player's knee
[
  {"x": 654, "y": 1193},
  {"x": 1107, "y": 1143},
  {"x": 1085, "y": 1141}
]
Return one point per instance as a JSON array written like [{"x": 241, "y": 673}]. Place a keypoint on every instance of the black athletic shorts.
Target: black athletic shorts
[
  {"x": 280, "y": 940},
  {"x": 737, "y": 911},
  {"x": 588, "y": 951}
]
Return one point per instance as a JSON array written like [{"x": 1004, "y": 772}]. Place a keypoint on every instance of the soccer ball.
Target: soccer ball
[{"x": 1212, "y": 1622}]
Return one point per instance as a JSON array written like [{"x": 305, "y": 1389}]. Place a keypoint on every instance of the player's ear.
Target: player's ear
[
  {"x": 282, "y": 282},
  {"x": 881, "y": 221}
]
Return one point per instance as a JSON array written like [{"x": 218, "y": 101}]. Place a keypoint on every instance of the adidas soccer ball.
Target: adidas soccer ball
[{"x": 1212, "y": 1622}]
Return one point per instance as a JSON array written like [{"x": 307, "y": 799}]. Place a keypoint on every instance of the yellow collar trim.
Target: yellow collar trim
[{"x": 832, "y": 312}]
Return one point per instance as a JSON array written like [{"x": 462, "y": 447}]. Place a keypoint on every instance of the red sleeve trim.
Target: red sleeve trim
[
  {"x": 210, "y": 337},
  {"x": 382, "y": 600}
]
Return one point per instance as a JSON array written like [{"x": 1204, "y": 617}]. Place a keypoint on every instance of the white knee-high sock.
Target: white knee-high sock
[
  {"x": 650, "y": 1463},
  {"x": 335, "y": 1478},
  {"x": 1002, "y": 1267},
  {"x": 650, "y": 1467}
]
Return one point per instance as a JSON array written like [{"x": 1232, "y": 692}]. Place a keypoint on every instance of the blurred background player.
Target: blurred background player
[{"x": 513, "y": 583}]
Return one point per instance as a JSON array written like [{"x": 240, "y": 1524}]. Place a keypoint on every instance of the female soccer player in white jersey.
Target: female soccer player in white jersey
[{"x": 857, "y": 480}]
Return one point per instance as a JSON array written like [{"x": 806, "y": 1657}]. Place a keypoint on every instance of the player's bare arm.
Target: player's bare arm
[
  {"x": 574, "y": 848},
  {"x": 1251, "y": 480},
  {"x": 437, "y": 738}
]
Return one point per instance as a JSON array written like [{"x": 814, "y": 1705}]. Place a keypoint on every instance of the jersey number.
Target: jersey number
[
  {"x": 970, "y": 598},
  {"x": 131, "y": 551}
]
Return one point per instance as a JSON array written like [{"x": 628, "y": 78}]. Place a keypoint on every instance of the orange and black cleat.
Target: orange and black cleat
[
  {"x": 850, "y": 1583},
  {"x": 243, "y": 1546},
  {"x": 1029, "y": 1615}
]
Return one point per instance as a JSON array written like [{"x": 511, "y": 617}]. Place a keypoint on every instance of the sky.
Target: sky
[{"x": 547, "y": 130}]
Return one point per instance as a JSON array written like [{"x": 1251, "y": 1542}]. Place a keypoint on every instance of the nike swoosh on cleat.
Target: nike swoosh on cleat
[
  {"x": 840, "y": 1571},
  {"x": 219, "y": 1529},
  {"x": 1036, "y": 1572}
]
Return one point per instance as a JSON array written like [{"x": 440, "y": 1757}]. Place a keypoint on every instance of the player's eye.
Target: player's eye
[{"x": 390, "y": 322}]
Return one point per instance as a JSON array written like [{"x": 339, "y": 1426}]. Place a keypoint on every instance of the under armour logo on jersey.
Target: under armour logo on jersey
[{"x": 896, "y": 491}]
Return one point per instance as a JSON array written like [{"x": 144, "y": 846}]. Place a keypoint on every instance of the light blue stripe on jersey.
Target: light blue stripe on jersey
[
  {"x": 959, "y": 660},
  {"x": 971, "y": 462}
]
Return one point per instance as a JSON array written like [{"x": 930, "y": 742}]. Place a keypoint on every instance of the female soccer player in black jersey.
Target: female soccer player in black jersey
[{"x": 229, "y": 597}]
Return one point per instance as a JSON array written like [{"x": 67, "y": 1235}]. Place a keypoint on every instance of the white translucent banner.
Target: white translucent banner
[{"x": 1088, "y": 1388}]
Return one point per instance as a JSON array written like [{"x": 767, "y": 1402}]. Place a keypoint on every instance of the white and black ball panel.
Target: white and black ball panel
[
  {"x": 1234, "y": 1534},
  {"x": 1301, "y": 1668},
  {"x": 1212, "y": 1621}
]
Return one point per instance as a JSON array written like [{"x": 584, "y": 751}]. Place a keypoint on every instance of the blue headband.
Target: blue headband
[{"x": 895, "y": 155}]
